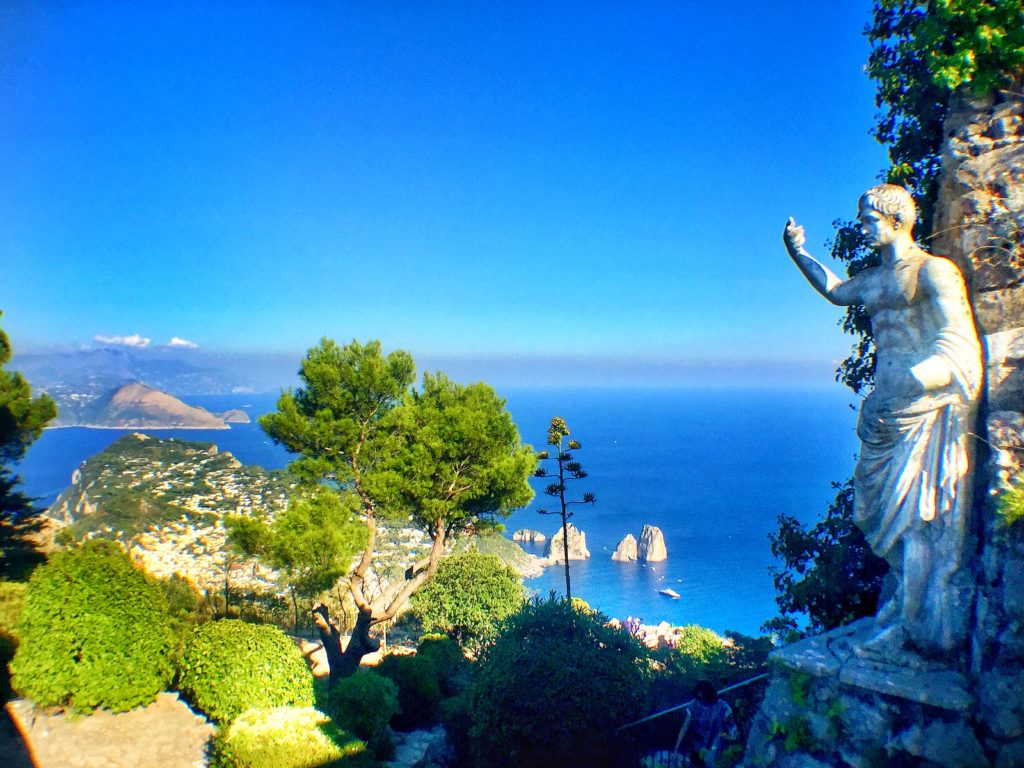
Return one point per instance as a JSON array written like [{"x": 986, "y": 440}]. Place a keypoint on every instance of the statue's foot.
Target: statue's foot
[{"x": 885, "y": 645}]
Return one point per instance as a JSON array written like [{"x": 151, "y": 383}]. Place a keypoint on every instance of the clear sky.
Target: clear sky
[{"x": 593, "y": 183}]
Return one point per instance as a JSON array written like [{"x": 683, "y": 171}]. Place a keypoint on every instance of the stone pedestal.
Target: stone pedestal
[{"x": 827, "y": 705}]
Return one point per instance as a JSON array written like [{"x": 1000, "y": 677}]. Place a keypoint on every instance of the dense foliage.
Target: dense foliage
[
  {"x": 553, "y": 688},
  {"x": 419, "y": 690},
  {"x": 448, "y": 659},
  {"x": 12, "y": 600},
  {"x": 229, "y": 666},
  {"x": 468, "y": 596},
  {"x": 829, "y": 572},
  {"x": 364, "y": 703},
  {"x": 446, "y": 458},
  {"x": 286, "y": 737},
  {"x": 22, "y": 418},
  {"x": 311, "y": 543},
  {"x": 94, "y": 632}
]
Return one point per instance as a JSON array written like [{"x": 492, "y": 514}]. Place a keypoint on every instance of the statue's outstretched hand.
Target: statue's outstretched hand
[{"x": 793, "y": 236}]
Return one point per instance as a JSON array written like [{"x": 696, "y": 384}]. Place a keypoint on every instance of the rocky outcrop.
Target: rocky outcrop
[
  {"x": 577, "y": 545},
  {"x": 626, "y": 551},
  {"x": 235, "y": 416},
  {"x": 651, "y": 548},
  {"x": 529, "y": 535}
]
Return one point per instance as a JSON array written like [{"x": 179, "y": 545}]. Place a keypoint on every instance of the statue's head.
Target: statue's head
[
  {"x": 887, "y": 215},
  {"x": 893, "y": 201}
]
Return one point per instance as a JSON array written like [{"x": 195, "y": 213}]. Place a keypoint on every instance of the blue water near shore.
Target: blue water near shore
[{"x": 711, "y": 468}]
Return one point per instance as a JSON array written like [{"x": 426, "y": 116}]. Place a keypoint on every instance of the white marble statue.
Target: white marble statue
[{"x": 911, "y": 483}]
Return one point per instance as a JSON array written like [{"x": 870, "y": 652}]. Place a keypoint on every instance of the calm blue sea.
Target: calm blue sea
[{"x": 711, "y": 468}]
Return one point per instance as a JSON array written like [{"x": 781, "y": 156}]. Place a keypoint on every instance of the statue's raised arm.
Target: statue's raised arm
[{"x": 826, "y": 283}]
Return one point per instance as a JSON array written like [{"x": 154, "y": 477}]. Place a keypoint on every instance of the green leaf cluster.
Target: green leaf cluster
[
  {"x": 229, "y": 666},
  {"x": 829, "y": 572},
  {"x": 286, "y": 737},
  {"x": 94, "y": 632},
  {"x": 1010, "y": 507},
  {"x": 312, "y": 542},
  {"x": 419, "y": 690},
  {"x": 12, "y": 600},
  {"x": 553, "y": 688},
  {"x": 364, "y": 703},
  {"x": 468, "y": 597}
]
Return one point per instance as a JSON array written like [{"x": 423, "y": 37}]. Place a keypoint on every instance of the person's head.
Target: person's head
[
  {"x": 884, "y": 211},
  {"x": 705, "y": 692}
]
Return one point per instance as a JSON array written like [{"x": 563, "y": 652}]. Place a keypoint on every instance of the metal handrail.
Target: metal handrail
[{"x": 670, "y": 710}]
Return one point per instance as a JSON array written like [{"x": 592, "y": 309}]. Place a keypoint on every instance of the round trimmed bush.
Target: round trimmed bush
[
  {"x": 448, "y": 659},
  {"x": 554, "y": 687},
  {"x": 285, "y": 737},
  {"x": 229, "y": 666},
  {"x": 468, "y": 597},
  {"x": 364, "y": 704},
  {"x": 94, "y": 632},
  {"x": 419, "y": 692}
]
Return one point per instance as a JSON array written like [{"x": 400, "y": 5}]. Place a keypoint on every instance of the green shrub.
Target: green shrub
[
  {"x": 285, "y": 737},
  {"x": 229, "y": 666},
  {"x": 419, "y": 692},
  {"x": 448, "y": 660},
  {"x": 94, "y": 633},
  {"x": 457, "y": 719},
  {"x": 554, "y": 687},
  {"x": 12, "y": 600},
  {"x": 364, "y": 704},
  {"x": 467, "y": 598}
]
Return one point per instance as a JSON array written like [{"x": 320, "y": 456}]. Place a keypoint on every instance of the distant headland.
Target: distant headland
[{"x": 138, "y": 406}]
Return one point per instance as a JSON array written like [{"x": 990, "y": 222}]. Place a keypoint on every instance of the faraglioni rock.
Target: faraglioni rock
[
  {"x": 577, "y": 545},
  {"x": 652, "y": 547},
  {"x": 528, "y": 534},
  {"x": 626, "y": 552}
]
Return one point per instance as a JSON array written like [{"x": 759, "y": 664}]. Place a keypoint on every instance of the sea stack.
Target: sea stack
[
  {"x": 529, "y": 535},
  {"x": 577, "y": 545},
  {"x": 652, "y": 547},
  {"x": 626, "y": 552}
]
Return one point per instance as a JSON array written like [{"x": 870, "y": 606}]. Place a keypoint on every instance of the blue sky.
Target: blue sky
[{"x": 591, "y": 184}]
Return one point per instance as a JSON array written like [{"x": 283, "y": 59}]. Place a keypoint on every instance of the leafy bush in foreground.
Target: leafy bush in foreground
[
  {"x": 448, "y": 660},
  {"x": 419, "y": 692},
  {"x": 12, "y": 600},
  {"x": 364, "y": 704},
  {"x": 286, "y": 737},
  {"x": 554, "y": 687},
  {"x": 94, "y": 632},
  {"x": 229, "y": 666}
]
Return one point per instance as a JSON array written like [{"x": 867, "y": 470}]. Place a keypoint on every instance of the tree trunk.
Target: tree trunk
[
  {"x": 359, "y": 645},
  {"x": 330, "y": 638}
]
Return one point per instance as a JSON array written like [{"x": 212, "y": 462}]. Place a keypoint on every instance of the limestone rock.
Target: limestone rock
[
  {"x": 530, "y": 535},
  {"x": 235, "y": 416},
  {"x": 626, "y": 551},
  {"x": 577, "y": 545},
  {"x": 652, "y": 547}
]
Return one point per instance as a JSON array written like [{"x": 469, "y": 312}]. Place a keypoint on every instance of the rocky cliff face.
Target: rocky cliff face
[
  {"x": 577, "y": 545},
  {"x": 652, "y": 547},
  {"x": 626, "y": 552}
]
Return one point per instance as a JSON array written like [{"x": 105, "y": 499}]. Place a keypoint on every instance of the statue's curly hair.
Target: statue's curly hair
[{"x": 892, "y": 200}]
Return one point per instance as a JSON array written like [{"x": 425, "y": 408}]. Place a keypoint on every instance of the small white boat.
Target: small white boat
[{"x": 669, "y": 592}]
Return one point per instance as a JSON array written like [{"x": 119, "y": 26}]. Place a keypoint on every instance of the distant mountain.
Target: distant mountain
[
  {"x": 135, "y": 406},
  {"x": 92, "y": 371}
]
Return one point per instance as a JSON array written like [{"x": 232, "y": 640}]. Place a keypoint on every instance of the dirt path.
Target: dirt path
[{"x": 166, "y": 734}]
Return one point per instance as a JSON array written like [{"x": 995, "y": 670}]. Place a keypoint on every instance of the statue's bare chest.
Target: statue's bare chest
[{"x": 890, "y": 287}]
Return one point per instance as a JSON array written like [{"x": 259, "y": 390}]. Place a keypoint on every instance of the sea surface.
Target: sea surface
[{"x": 713, "y": 468}]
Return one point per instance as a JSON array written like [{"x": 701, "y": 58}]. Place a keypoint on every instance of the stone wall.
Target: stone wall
[{"x": 825, "y": 705}]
